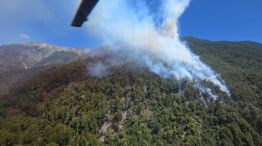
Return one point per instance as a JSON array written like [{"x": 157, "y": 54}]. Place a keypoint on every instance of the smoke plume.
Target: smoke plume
[{"x": 147, "y": 31}]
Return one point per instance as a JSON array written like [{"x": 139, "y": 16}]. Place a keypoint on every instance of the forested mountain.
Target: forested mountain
[{"x": 67, "y": 105}]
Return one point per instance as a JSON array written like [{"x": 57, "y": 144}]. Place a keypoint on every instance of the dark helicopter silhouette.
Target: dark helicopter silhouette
[{"x": 83, "y": 12}]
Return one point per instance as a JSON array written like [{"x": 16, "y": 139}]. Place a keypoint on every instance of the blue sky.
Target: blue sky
[
  {"x": 48, "y": 21},
  {"x": 223, "y": 20}
]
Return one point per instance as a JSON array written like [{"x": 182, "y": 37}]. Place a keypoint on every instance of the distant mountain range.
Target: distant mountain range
[
  {"x": 60, "y": 102},
  {"x": 20, "y": 61}
]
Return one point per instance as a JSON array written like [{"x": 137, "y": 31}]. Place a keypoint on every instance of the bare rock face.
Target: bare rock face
[{"x": 19, "y": 61}]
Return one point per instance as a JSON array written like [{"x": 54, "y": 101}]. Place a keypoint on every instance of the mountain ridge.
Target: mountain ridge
[
  {"x": 220, "y": 41},
  {"x": 22, "y": 60}
]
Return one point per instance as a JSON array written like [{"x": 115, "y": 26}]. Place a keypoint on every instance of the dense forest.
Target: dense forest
[{"x": 64, "y": 105}]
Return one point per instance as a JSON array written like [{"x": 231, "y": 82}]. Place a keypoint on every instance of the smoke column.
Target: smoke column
[{"x": 150, "y": 35}]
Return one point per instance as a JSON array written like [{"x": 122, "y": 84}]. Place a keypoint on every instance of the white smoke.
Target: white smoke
[
  {"x": 98, "y": 69},
  {"x": 152, "y": 39}
]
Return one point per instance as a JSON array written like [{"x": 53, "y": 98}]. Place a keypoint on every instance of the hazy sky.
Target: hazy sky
[{"x": 48, "y": 21}]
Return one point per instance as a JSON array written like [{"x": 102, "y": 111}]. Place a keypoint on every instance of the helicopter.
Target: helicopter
[{"x": 84, "y": 10}]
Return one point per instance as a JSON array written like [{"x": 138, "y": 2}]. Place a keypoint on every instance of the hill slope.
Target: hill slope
[
  {"x": 66, "y": 105},
  {"x": 240, "y": 64}
]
